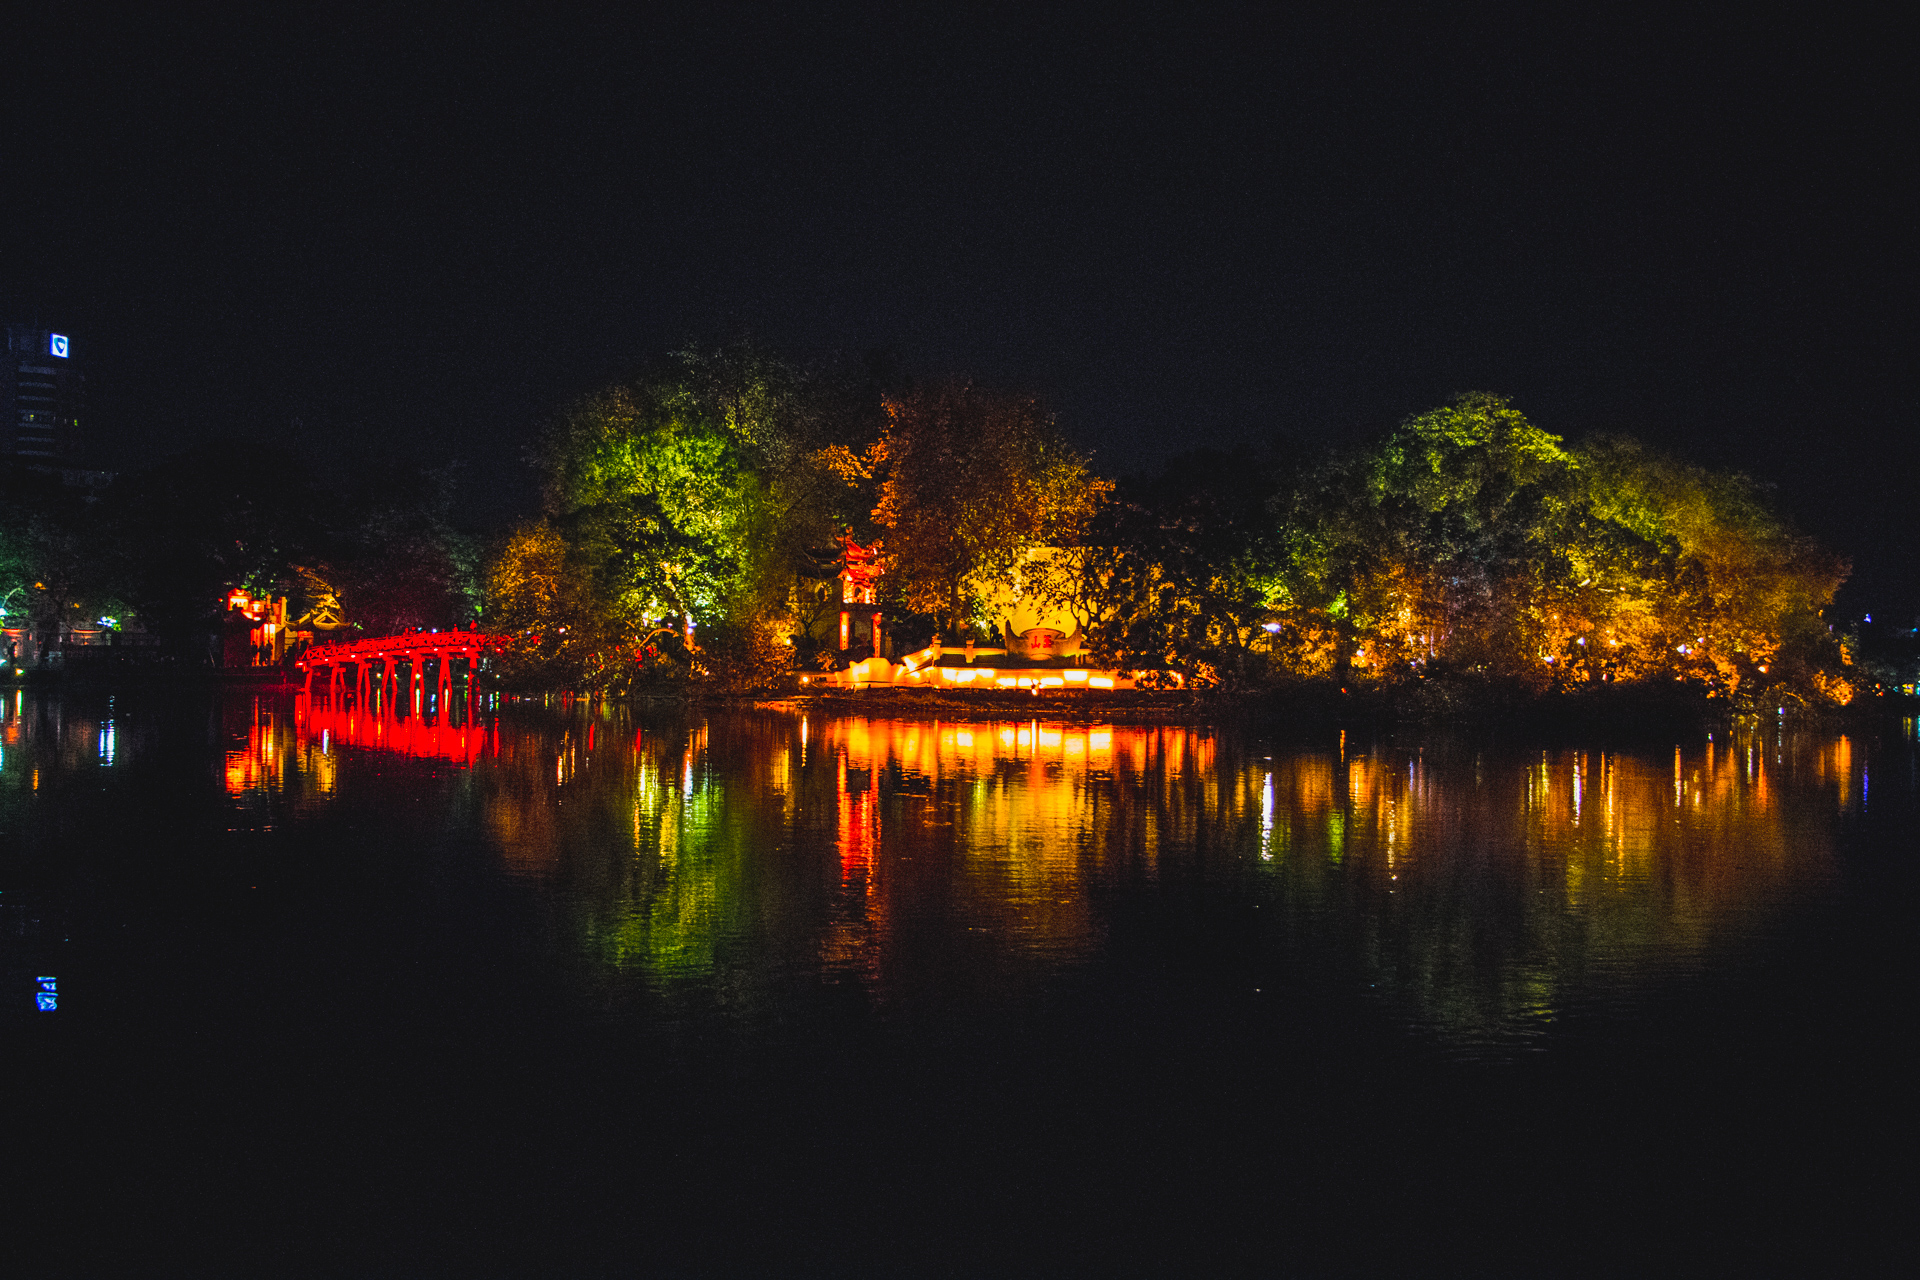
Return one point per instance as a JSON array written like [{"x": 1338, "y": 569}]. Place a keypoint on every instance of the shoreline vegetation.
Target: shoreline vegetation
[
  {"x": 696, "y": 522},
  {"x": 1464, "y": 565}
]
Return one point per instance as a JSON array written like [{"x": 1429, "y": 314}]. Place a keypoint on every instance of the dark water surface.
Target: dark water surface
[{"x": 569, "y": 989}]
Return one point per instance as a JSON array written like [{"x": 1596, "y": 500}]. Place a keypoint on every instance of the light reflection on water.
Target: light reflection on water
[{"x": 715, "y": 866}]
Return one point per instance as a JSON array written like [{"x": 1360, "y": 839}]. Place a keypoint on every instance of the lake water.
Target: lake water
[{"x": 572, "y": 988}]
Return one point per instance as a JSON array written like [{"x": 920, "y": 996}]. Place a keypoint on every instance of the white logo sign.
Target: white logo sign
[{"x": 57, "y": 344}]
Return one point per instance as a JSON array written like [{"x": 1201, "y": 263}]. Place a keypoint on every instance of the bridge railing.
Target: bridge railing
[{"x": 431, "y": 644}]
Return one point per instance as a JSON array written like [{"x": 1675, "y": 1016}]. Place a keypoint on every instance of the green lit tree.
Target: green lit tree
[{"x": 700, "y": 493}]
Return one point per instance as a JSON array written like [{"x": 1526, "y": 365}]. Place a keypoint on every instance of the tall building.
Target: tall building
[{"x": 42, "y": 399}]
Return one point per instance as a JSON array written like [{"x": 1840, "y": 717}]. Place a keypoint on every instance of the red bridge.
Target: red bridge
[{"x": 402, "y": 669}]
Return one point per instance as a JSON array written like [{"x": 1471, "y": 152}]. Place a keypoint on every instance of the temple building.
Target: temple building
[{"x": 1040, "y": 646}]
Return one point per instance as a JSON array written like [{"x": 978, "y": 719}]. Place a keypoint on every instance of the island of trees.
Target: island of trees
[{"x": 690, "y": 522}]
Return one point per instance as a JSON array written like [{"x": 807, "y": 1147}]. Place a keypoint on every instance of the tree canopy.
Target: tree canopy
[
  {"x": 1469, "y": 539},
  {"x": 704, "y": 498},
  {"x": 966, "y": 483},
  {"x": 693, "y": 517},
  {"x": 692, "y": 497}
]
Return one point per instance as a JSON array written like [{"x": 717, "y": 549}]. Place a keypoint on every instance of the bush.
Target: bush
[{"x": 737, "y": 658}]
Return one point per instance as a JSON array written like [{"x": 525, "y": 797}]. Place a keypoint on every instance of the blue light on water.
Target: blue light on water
[{"x": 47, "y": 997}]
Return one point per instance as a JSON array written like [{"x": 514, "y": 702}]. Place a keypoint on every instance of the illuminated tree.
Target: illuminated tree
[
  {"x": 1177, "y": 572},
  {"x": 720, "y": 453},
  {"x": 1469, "y": 540},
  {"x": 56, "y": 570},
  {"x": 700, "y": 494},
  {"x": 563, "y": 635},
  {"x": 1429, "y": 546},
  {"x": 1697, "y": 579},
  {"x": 967, "y": 482}
]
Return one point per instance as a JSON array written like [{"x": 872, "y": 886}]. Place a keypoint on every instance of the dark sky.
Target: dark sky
[{"x": 418, "y": 233}]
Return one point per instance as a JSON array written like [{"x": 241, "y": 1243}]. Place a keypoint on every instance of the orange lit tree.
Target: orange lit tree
[
  {"x": 1177, "y": 573},
  {"x": 965, "y": 482}
]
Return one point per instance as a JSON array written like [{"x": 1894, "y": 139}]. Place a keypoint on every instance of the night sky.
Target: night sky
[{"x": 417, "y": 233}]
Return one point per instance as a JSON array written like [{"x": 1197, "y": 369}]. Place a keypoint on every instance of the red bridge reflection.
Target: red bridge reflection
[{"x": 464, "y": 739}]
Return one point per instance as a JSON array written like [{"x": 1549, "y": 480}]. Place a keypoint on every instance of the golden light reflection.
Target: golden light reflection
[
  {"x": 260, "y": 749},
  {"x": 1538, "y": 870},
  {"x": 1482, "y": 892}
]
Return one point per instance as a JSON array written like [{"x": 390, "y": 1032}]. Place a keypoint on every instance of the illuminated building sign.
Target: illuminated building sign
[{"x": 57, "y": 345}]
